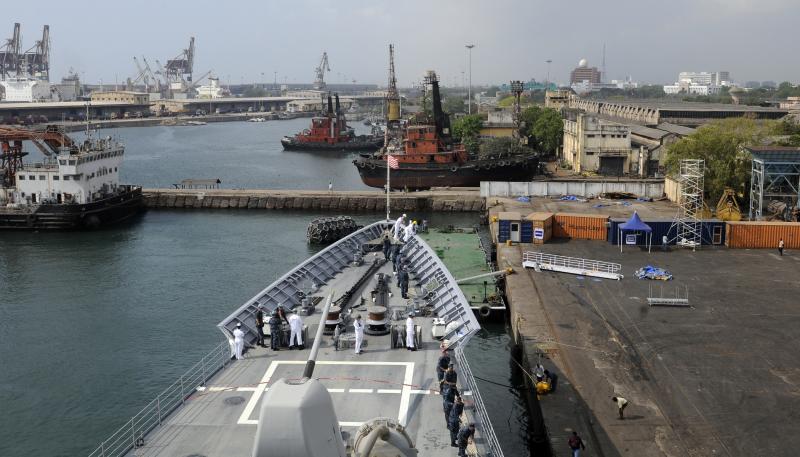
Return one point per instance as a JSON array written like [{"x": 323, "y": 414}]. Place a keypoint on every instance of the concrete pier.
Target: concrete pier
[
  {"x": 444, "y": 200},
  {"x": 715, "y": 378}
]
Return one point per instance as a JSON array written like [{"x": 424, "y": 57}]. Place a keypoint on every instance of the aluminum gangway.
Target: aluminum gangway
[{"x": 540, "y": 261}]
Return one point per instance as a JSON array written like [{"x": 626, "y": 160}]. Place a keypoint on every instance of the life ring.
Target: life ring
[{"x": 453, "y": 169}]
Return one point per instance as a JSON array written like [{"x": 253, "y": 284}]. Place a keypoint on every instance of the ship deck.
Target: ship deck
[{"x": 220, "y": 417}]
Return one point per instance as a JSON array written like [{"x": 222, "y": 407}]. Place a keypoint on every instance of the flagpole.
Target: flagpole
[{"x": 386, "y": 153}]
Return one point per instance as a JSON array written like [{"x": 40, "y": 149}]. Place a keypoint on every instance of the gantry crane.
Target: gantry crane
[{"x": 319, "y": 82}]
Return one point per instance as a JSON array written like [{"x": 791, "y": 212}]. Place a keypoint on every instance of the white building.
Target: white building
[
  {"x": 84, "y": 177},
  {"x": 26, "y": 90},
  {"x": 596, "y": 145}
]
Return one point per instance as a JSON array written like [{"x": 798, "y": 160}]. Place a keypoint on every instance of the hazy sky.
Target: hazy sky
[{"x": 649, "y": 40}]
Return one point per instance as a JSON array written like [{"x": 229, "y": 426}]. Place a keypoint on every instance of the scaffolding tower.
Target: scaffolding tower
[
  {"x": 775, "y": 179},
  {"x": 691, "y": 202}
]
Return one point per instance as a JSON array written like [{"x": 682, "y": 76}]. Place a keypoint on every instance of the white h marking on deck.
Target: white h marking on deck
[{"x": 405, "y": 392}]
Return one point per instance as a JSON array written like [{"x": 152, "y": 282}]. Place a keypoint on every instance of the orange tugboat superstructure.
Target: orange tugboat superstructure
[{"x": 330, "y": 132}]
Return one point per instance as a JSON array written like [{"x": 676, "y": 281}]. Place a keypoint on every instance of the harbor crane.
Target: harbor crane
[
  {"x": 34, "y": 62},
  {"x": 319, "y": 82}
]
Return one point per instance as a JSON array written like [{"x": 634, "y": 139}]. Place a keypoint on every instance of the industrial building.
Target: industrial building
[
  {"x": 682, "y": 113},
  {"x": 498, "y": 124},
  {"x": 122, "y": 96},
  {"x": 592, "y": 144},
  {"x": 557, "y": 99}
]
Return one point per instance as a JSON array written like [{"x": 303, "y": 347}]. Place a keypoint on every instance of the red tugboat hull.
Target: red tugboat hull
[{"x": 359, "y": 143}]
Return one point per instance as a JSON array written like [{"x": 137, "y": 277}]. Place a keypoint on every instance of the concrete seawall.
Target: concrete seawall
[{"x": 445, "y": 200}]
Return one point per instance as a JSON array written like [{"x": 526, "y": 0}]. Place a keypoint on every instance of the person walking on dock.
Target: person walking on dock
[
  {"x": 410, "y": 343},
  {"x": 238, "y": 341},
  {"x": 260, "y": 326},
  {"x": 454, "y": 420},
  {"x": 330, "y": 186},
  {"x": 621, "y": 405},
  {"x": 358, "y": 328},
  {"x": 576, "y": 444},
  {"x": 387, "y": 247},
  {"x": 296, "y": 326},
  {"x": 780, "y": 247},
  {"x": 465, "y": 435},
  {"x": 274, "y": 331}
]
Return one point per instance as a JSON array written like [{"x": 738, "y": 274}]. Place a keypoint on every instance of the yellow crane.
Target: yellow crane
[{"x": 727, "y": 207}]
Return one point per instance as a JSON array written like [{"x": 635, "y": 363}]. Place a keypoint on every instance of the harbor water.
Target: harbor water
[{"x": 94, "y": 324}]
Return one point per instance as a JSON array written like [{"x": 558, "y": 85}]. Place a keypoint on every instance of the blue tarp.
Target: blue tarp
[
  {"x": 570, "y": 198},
  {"x": 635, "y": 224},
  {"x": 651, "y": 272},
  {"x": 524, "y": 199}
]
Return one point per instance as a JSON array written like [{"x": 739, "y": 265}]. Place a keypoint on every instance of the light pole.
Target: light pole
[
  {"x": 547, "y": 81},
  {"x": 469, "y": 89}
]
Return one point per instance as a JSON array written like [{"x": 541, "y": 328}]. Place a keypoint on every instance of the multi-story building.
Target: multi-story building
[
  {"x": 585, "y": 73},
  {"x": 596, "y": 145}
]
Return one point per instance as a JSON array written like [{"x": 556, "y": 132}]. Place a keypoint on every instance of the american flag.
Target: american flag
[{"x": 392, "y": 161}]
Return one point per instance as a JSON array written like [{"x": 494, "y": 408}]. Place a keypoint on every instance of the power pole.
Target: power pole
[{"x": 469, "y": 89}]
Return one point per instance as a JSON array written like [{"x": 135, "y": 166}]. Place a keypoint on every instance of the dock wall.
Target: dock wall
[
  {"x": 463, "y": 200},
  {"x": 653, "y": 188}
]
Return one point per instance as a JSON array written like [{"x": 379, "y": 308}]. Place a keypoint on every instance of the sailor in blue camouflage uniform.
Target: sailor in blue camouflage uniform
[
  {"x": 464, "y": 436},
  {"x": 454, "y": 420}
]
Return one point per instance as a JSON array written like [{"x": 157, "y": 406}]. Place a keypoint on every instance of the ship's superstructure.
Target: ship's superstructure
[
  {"x": 329, "y": 131},
  {"x": 427, "y": 156},
  {"x": 75, "y": 185}
]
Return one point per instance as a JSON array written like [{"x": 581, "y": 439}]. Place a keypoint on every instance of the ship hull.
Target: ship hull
[
  {"x": 102, "y": 213},
  {"x": 366, "y": 144},
  {"x": 425, "y": 176}
]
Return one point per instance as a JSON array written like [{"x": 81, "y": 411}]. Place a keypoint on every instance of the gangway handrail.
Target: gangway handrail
[
  {"x": 132, "y": 434},
  {"x": 572, "y": 262}
]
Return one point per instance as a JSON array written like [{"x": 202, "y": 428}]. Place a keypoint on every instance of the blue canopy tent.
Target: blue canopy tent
[{"x": 635, "y": 224}]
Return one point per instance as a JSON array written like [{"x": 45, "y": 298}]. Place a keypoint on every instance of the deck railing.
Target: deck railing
[
  {"x": 132, "y": 434},
  {"x": 485, "y": 428}
]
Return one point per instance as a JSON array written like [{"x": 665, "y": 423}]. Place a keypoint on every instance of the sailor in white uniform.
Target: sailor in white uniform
[
  {"x": 410, "y": 230},
  {"x": 296, "y": 325},
  {"x": 410, "y": 333},
  {"x": 358, "y": 328},
  {"x": 399, "y": 225},
  {"x": 238, "y": 341}
]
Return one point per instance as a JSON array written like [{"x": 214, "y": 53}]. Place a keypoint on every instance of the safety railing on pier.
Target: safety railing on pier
[
  {"x": 132, "y": 434},
  {"x": 573, "y": 265},
  {"x": 485, "y": 430}
]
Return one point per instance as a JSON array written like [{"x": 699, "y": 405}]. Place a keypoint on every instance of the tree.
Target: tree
[
  {"x": 501, "y": 147},
  {"x": 548, "y": 130},
  {"x": 543, "y": 127},
  {"x": 720, "y": 145},
  {"x": 254, "y": 91},
  {"x": 467, "y": 127},
  {"x": 454, "y": 105}
]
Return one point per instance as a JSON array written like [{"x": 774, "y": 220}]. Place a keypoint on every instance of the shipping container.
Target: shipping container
[
  {"x": 526, "y": 235},
  {"x": 762, "y": 235},
  {"x": 580, "y": 226},
  {"x": 509, "y": 227},
  {"x": 713, "y": 231},
  {"x": 542, "y": 226}
]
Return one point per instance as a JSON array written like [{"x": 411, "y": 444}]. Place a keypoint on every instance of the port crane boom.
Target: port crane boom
[{"x": 319, "y": 82}]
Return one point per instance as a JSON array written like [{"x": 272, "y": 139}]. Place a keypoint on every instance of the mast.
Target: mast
[{"x": 392, "y": 95}]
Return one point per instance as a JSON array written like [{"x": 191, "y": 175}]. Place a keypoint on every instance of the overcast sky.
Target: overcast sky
[{"x": 650, "y": 40}]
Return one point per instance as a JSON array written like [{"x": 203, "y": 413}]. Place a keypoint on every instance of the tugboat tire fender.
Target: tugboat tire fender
[
  {"x": 503, "y": 163},
  {"x": 485, "y": 311},
  {"x": 454, "y": 169},
  {"x": 371, "y": 166}
]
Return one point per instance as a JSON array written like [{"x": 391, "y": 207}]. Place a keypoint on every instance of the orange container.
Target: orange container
[
  {"x": 543, "y": 222},
  {"x": 762, "y": 235},
  {"x": 580, "y": 226}
]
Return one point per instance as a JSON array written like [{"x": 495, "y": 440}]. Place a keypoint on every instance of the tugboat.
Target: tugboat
[
  {"x": 330, "y": 133},
  {"x": 428, "y": 157},
  {"x": 76, "y": 186}
]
